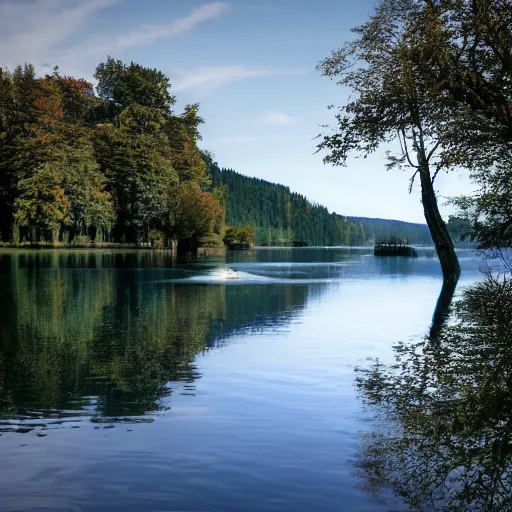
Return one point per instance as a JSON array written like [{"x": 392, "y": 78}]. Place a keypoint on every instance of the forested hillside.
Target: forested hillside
[
  {"x": 383, "y": 229},
  {"x": 282, "y": 217}
]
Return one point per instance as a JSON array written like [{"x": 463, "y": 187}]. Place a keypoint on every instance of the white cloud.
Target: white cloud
[
  {"x": 213, "y": 76},
  {"x": 29, "y": 31},
  {"x": 38, "y": 32},
  {"x": 150, "y": 33},
  {"x": 279, "y": 118}
]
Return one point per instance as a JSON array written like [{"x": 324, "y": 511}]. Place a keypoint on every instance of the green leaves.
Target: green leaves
[
  {"x": 139, "y": 177},
  {"x": 123, "y": 178},
  {"x": 198, "y": 215},
  {"x": 42, "y": 202},
  {"x": 245, "y": 235},
  {"x": 121, "y": 85},
  {"x": 86, "y": 187},
  {"x": 388, "y": 95},
  {"x": 137, "y": 120}
]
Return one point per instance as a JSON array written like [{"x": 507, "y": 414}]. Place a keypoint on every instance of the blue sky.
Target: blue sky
[{"x": 251, "y": 66}]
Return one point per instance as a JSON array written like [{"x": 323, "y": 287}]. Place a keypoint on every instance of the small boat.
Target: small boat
[{"x": 229, "y": 273}]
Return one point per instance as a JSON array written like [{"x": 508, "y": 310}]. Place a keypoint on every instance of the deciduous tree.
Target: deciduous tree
[{"x": 390, "y": 100}]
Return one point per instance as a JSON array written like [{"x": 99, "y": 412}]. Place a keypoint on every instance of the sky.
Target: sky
[{"x": 250, "y": 64}]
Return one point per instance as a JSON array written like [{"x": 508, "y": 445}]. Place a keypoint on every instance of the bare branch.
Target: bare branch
[
  {"x": 432, "y": 151},
  {"x": 411, "y": 183},
  {"x": 403, "y": 147},
  {"x": 436, "y": 173}
]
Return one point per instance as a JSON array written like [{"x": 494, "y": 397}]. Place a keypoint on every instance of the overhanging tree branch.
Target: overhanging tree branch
[{"x": 405, "y": 151}]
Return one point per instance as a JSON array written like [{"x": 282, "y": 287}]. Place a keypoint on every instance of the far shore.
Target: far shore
[
  {"x": 147, "y": 247},
  {"x": 103, "y": 246}
]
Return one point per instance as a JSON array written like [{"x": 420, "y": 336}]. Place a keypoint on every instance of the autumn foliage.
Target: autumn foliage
[{"x": 116, "y": 166}]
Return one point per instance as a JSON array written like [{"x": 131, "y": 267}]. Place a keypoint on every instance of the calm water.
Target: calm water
[{"x": 130, "y": 383}]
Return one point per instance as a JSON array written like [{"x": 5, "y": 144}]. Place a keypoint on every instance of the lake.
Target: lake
[{"x": 130, "y": 382}]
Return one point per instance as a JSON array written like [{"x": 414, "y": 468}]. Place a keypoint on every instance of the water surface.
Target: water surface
[{"x": 131, "y": 382}]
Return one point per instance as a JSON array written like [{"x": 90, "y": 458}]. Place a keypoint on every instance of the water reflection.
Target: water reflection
[
  {"x": 444, "y": 435},
  {"x": 109, "y": 337}
]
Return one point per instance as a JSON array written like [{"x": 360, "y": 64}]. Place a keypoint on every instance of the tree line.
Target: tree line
[
  {"x": 115, "y": 165},
  {"x": 282, "y": 217}
]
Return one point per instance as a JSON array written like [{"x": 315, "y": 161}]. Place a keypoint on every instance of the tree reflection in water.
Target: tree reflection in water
[
  {"x": 444, "y": 440},
  {"x": 443, "y": 308},
  {"x": 109, "y": 336}
]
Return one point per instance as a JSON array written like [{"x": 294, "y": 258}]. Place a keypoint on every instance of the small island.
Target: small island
[{"x": 394, "y": 247}]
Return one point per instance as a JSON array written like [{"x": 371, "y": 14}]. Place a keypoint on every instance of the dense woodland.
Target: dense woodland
[
  {"x": 117, "y": 165},
  {"x": 282, "y": 217}
]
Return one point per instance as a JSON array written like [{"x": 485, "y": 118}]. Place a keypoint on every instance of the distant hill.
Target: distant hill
[
  {"x": 377, "y": 229},
  {"x": 282, "y": 217}
]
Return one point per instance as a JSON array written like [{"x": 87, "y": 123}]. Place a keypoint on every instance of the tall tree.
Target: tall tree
[
  {"x": 121, "y": 85},
  {"x": 469, "y": 72},
  {"x": 76, "y": 96},
  {"x": 183, "y": 133},
  {"x": 390, "y": 99},
  {"x": 469, "y": 69},
  {"x": 92, "y": 209},
  {"x": 198, "y": 215},
  {"x": 140, "y": 178},
  {"x": 42, "y": 203}
]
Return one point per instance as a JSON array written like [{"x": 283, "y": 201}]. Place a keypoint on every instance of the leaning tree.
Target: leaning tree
[
  {"x": 471, "y": 71},
  {"x": 391, "y": 99}
]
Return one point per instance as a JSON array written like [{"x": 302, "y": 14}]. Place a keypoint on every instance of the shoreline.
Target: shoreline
[
  {"x": 49, "y": 247},
  {"x": 200, "y": 250}
]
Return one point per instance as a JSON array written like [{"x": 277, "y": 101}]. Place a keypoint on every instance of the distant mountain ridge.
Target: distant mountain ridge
[
  {"x": 381, "y": 228},
  {"x": 283, "y": 217}
]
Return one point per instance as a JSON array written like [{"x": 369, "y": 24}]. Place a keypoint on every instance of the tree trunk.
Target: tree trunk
[{"x": 442, "y": 240}]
